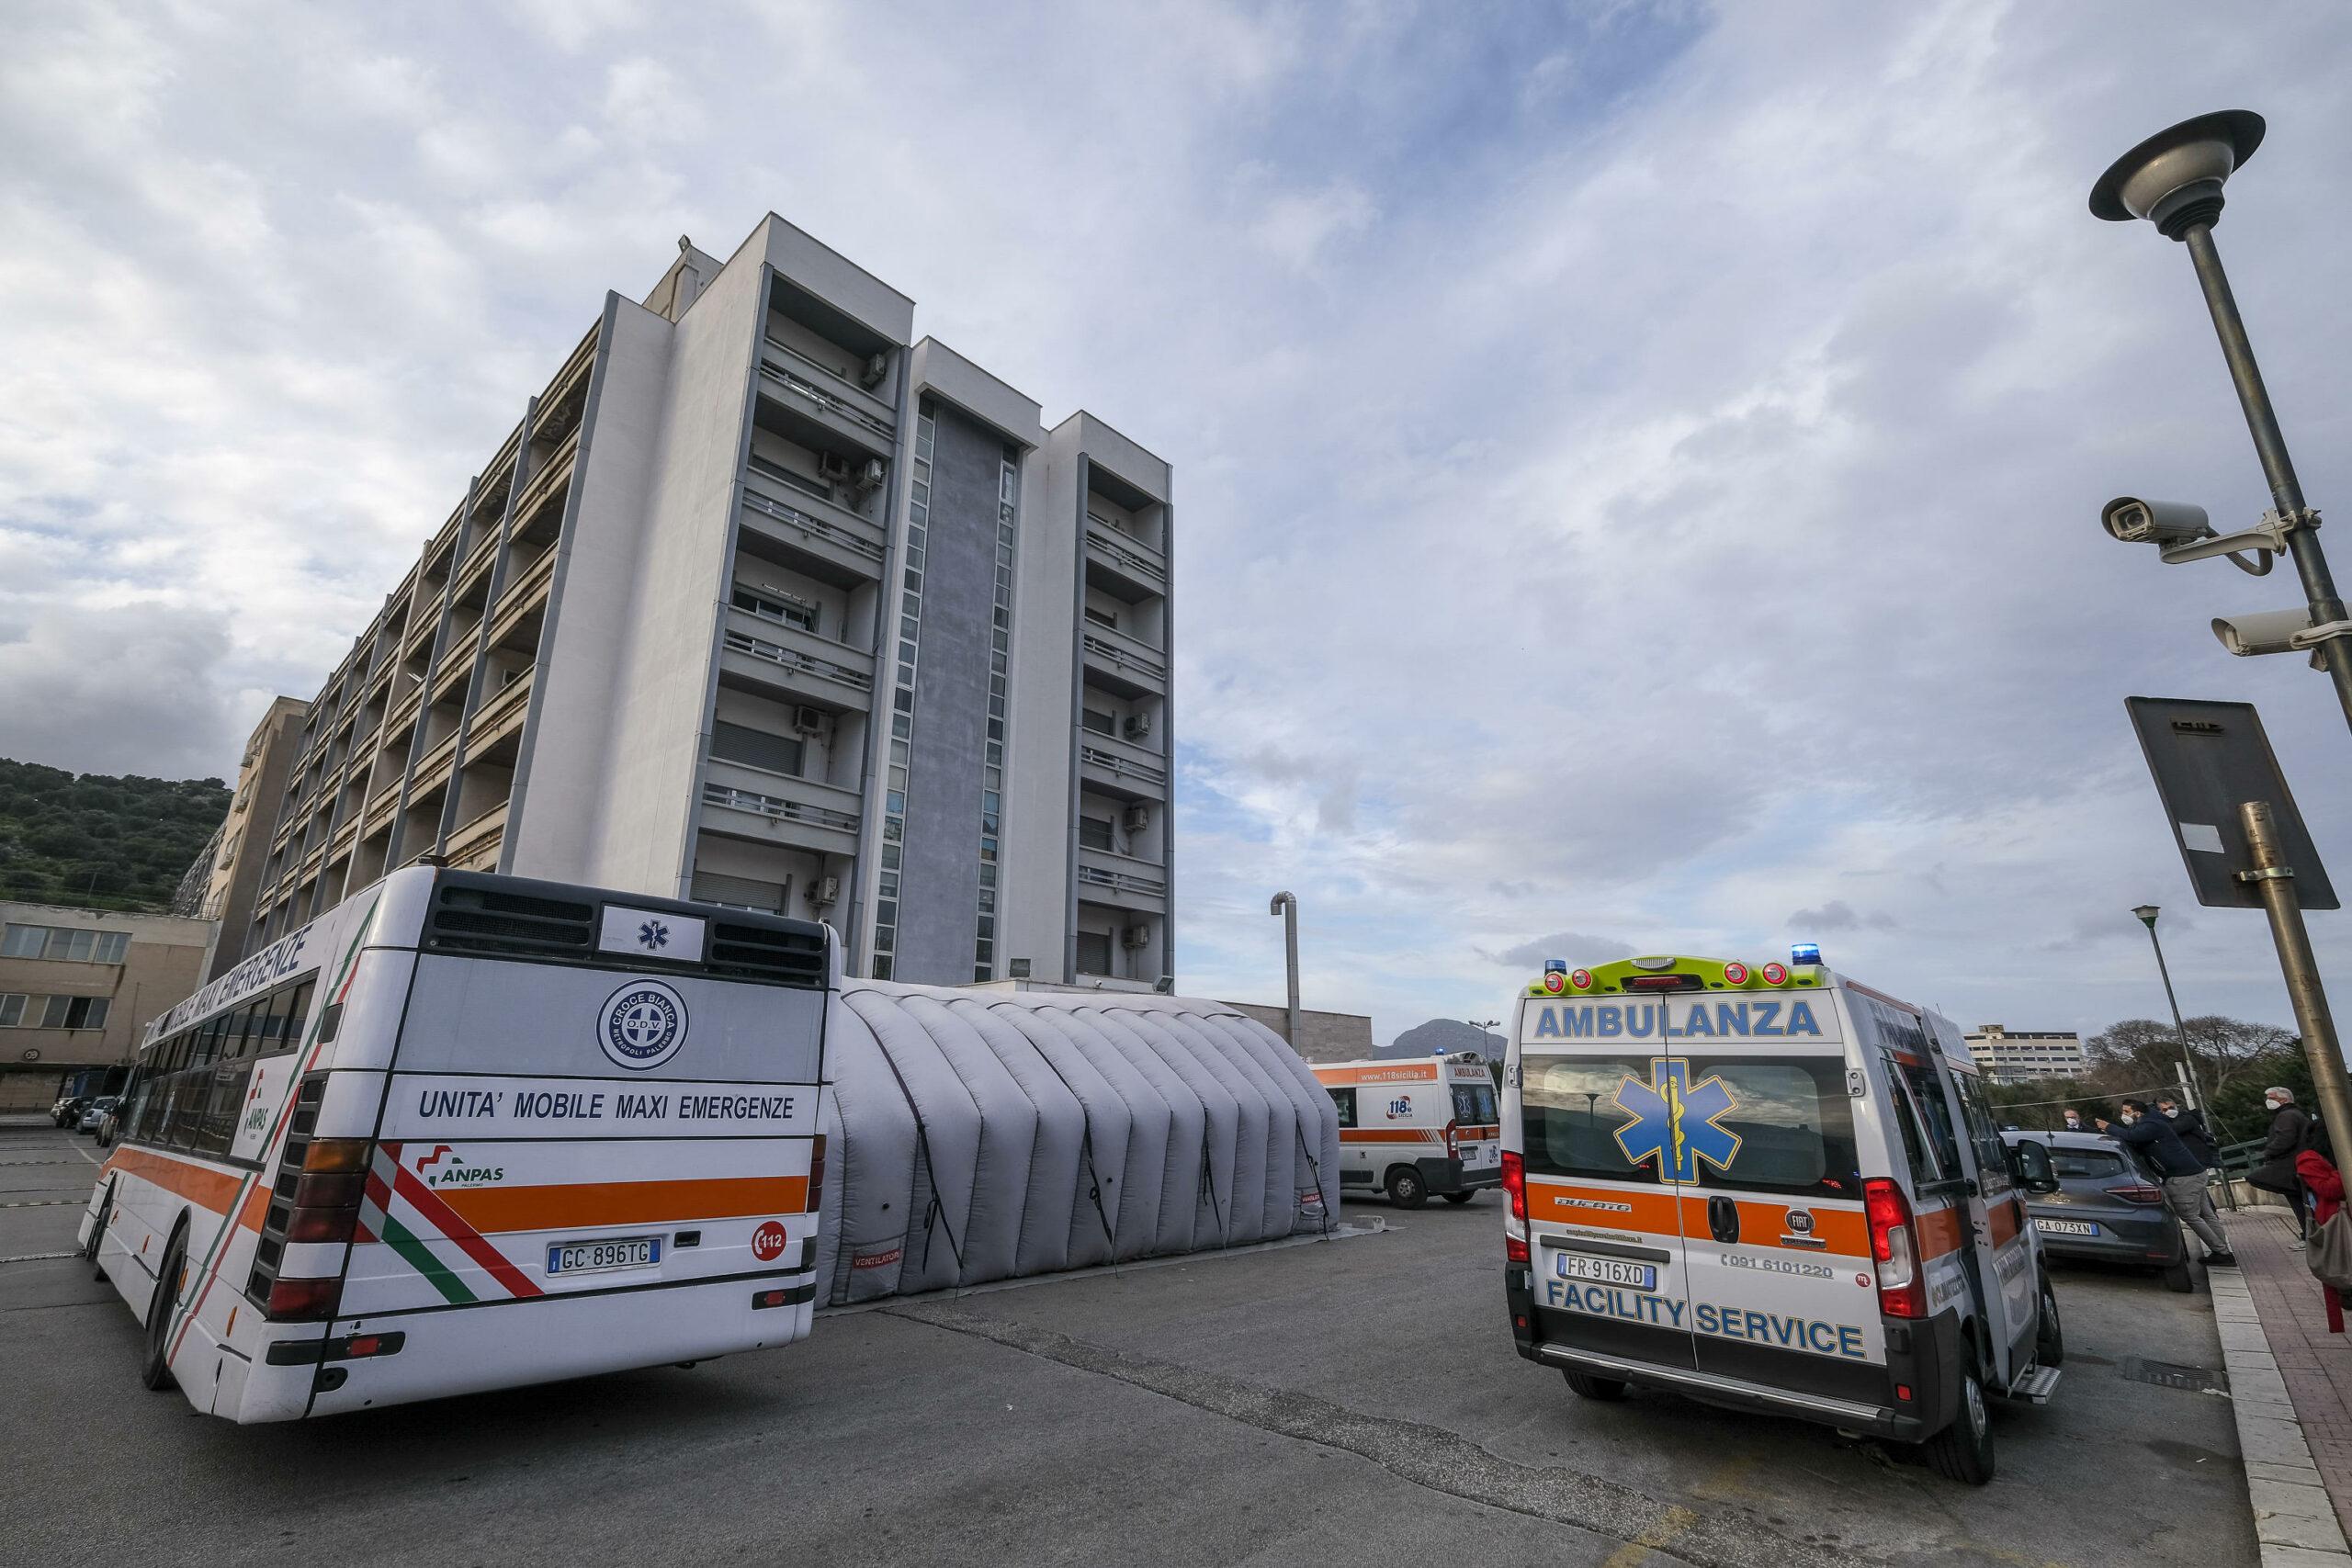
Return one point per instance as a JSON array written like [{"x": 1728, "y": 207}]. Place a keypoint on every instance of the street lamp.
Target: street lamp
[
  {"x": 2174, "y": 180},
  {"x": 2147, "y": 913},
  {"x": 1286, "y": 907}
]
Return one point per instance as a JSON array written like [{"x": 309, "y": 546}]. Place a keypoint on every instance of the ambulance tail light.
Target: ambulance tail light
[
  {"x": 1515, "y": 1184},
  {"x": 1902, "y": 1287},
  {"x": 1514, "y": 1248},
  {"x": 1453, "y": 1146}
]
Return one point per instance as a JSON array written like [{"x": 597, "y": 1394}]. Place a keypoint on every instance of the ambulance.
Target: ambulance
[
  {"x": 1770, "y": 1188},
  {"x": 1411, "y": 1127}
]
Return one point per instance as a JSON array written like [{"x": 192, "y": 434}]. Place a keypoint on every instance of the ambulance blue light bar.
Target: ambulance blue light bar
[{"x": 1805, "y": 953}]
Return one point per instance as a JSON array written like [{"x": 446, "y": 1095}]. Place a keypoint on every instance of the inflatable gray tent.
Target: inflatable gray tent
[{"x": 978, "y": 1136}]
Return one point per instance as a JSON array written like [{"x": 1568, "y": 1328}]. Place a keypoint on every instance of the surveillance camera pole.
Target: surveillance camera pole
[
  {"x": 2270, "y": 445},
  {"x": 1287, "y": 908},
  {"x": 2275, "y": 883}
]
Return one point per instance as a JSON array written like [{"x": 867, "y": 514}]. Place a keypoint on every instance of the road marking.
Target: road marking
[
  {"x": 37, "y": 1257},
  {"x": 43, "y": 1202},
  {"x": 1417, "y": 1452},
  {"x": 1671, "y": 1525}
]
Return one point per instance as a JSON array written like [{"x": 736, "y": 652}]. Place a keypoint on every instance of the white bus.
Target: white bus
[{"x": 470, "y": 1132}]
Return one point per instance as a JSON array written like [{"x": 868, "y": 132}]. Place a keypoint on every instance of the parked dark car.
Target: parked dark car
[
  {"x": 2108, "y": 1207},
  {"x": 68, "y": 1110}
]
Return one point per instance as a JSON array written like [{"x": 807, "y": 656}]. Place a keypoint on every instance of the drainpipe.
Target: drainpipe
[{"x": 1287, "y": 908}]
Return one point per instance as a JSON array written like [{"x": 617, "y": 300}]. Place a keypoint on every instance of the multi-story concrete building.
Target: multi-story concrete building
[
  {"x": 2010, "y": 1055},
  {"x": 765, "y": 602},
  {"x": 220, "y": 885},
  {"x": 77, "y": 988}
]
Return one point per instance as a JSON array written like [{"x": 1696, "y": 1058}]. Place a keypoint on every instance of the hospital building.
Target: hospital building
[{"x": 762, "y": 600}]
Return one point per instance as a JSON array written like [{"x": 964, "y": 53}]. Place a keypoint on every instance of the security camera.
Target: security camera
[
  {"x": 2266, "y": 631},
  {"x": 2138, "y": 522}
]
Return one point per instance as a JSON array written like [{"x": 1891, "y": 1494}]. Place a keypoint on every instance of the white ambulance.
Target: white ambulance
[
  {"x": 1412, "y": 1127},
  {"x": 1770, "y": 1188}
]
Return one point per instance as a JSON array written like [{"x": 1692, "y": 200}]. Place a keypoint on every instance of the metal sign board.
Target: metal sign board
[{"x": 2207, "y": 758}]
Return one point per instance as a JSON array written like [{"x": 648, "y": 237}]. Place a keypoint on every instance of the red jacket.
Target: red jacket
[{"x": 2325, "y": 1184}]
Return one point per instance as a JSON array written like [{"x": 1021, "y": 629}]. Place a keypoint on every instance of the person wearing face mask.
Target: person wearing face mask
[
  {"x": 2074, "y": 1119},
  {"x": 2188, "y": 1127},
  {"x": 2274, "y": 1170},
  {"x": 2182, "y": 1173}
]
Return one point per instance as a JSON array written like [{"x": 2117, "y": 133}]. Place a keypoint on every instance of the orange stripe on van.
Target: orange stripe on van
[
  {"x": 2006, "y": 1221},
  {"x": 1941, "y": 1231},
  {"x": 1618, "y": 1208},
  {"x": 579, "y": 1206},
  {"x": 1843, "y": 1233},
  {"x": 200, "y": 1185},
  {"x": 1389, "y": 1135},
  {"x": 1406, "y": 1072}
]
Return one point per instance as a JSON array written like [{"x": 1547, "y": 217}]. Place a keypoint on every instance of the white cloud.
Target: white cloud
[{"x": 1635, "y": 467}]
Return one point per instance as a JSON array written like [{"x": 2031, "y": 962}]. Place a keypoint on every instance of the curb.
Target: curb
[{"x": 2294, "y": 1521}]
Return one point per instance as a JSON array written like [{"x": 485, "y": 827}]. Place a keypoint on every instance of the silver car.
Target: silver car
[
  {"x": 2108, "y": 1207},
  {"x": 94, "y": 1112}
]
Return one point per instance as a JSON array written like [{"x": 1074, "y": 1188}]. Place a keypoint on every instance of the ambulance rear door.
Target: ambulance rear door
[
  {"x": 1606, "y": 1246},
  {"x": 1782, "y": 1287}
]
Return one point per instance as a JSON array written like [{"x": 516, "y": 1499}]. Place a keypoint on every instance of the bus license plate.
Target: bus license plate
[
  {"x": 1607, "y": 1271},
  {"x": 2066, "y": 1227},
  {"x": 596, "y": 1257}
]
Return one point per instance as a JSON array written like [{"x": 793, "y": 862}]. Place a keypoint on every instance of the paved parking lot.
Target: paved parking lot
[{"x": 1356, "y": 1400}]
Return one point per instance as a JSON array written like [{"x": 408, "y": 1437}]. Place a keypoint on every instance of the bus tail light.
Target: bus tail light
[
  {"x": 1902, "y": 1286},
  {"x": 337, "y": 1154},
  {"x": 817, "y": 1173},
  {"x": 304, "y": 1301}
]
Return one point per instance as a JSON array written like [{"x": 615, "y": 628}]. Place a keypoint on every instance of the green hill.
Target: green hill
[{"x": 111, "y": 843}]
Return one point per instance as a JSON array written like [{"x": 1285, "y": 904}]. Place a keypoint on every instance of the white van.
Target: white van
[
  {"x": 1411, "y": 1127},
  {"x": 1770, "y": 1188}
]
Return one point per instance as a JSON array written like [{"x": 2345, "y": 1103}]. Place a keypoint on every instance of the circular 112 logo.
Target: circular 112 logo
[{"x": 644, "y": 1025}]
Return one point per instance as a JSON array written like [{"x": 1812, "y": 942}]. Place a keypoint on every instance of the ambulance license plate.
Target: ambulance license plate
[
  {"x": 1606, "y": 1270},
  {"x": 596, "y": 1257},
  {"x": 2066, "y": 1227}
]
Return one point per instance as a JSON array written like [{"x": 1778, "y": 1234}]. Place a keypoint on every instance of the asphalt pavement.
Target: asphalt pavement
[{"x": 1351, "y": 1401}]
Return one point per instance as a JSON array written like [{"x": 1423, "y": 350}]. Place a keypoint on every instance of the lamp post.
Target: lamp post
[
  {"x": 1287, "y": 908},
  {"x": 2174, "y": 180},
  {"x": 2147, "y": 913}
]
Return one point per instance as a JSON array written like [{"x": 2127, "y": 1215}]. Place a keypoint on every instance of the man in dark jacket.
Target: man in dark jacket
[
  {"x": 2275, "y": 1170},
  {"x": 2182, "y": 1173},
  {"x": 2188, "y": 1127}
]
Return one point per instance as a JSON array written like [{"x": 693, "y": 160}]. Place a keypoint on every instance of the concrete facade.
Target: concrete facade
[
  {"x": 1322, "y": 1036},
  {"x": 764, "y": 601},
  {"x": 222, "y": 884},
  {"x": 2010, "y": 1055},
  {"x": 77, "y": 987}
]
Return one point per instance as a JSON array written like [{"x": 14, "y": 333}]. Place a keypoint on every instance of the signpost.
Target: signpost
[{"x": 2245, "y": 846}]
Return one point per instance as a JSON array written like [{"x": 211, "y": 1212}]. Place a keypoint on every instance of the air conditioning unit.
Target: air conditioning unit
[
  {"x": 806, "y": 720},
  {"x": 1139, "y": 726},
  {"x": 833, "y": 467},
  {"x": 876, "y": 368},
  {"x": 869, "y": 477},
  {"x": 1135, "y": 936},
  {"x": 827, "y": 891},
  {"x": 1136, "y": 817}
]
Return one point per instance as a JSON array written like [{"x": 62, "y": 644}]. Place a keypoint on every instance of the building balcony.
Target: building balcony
[
  {"x": 524, "y": 594},
  {"x": 433, "y": 768},
  {"x": 1120, "y": 663},
  {"x": 339, "y": 845},
  {"x": 1122, "y": 565},
  {"x": 473, "y": 846},
  {"x": 473, "y": 577},
  {"x": 1121, "y": 880},
  {"x": 547, "y": 482},
  {"x": 381, "y": 808},
  {"x": 1120, "y": 771},
  {"x": 839, "y": 404},
  {"x": 501, "y": 713},
  {"x": 775, "y": 808},
  {"x": 787, "y": 664},
  {"x": 457, "y": 663},
  {"x": 827, "y": 539}
]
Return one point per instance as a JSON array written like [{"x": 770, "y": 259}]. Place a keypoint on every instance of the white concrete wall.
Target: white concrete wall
[{"x": 1033, "y": 913}]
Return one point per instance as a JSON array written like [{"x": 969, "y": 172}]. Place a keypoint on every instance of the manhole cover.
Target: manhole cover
[{"x": 2168, "y": 1375}]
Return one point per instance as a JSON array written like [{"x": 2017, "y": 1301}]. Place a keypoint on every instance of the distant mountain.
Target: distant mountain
[{"x": 1444, "y": 1036}]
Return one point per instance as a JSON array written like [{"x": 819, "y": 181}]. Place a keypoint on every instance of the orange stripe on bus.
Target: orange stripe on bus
[
  {"x": 207, "y": 1188},
  {"x": 256, "y": 1206},
  {"x": 581, "y": 1204}
]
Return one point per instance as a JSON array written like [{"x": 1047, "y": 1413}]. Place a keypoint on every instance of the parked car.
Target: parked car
[
  {"x": 110, "y": 1124},
  {"x": 2108, "y": 1207},
  {"x": 68, "y": 1109},
  {"x": 94, "y": 1112}
]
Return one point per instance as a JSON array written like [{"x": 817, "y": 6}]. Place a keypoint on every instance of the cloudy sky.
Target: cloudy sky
[{"x": 1638, "y": 466}]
